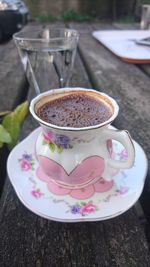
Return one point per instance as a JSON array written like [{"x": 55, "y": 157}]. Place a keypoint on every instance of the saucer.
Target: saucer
[{"x": 100, "y": 201}]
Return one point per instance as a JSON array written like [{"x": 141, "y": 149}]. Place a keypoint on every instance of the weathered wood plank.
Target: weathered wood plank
[
  {"x": 13, "y": 87},
  {"x": 123, "y": 81},
  {"x": 145, "y": 198},
  {"x": 128, "y": 85},
  {"x": 29, "y": 240},
  {"x": 11, "y": 75},
  {"x": 13, "y": 90}
]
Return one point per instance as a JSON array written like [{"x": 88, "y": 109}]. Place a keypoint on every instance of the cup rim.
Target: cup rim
[
  {"x": 77, "y": 129},
  {"x": 17, "y": 36}
]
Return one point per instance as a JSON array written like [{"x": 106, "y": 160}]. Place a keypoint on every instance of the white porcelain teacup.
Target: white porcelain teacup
[{"x": 75, "y": 157}]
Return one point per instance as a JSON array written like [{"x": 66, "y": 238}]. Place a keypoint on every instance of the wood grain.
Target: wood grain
[
  {"x": 128, "y": 84},
  {"x": 29, "y": 240}
]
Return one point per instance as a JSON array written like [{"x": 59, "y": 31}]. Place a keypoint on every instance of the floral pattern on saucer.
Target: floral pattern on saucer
[
  {"x": 27, "y": 162},
  {"x": 34, "y": 193},
  {"x": 82, "y": 193},
  {"x": 83, "y": 208}
]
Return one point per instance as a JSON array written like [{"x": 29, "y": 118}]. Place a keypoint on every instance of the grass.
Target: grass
[
  {"x": 46, "y": 18},
  {"x": 72, "y": 15},
  {"x": 128, "y": 19},
  {"x": 69, "y": 15}
]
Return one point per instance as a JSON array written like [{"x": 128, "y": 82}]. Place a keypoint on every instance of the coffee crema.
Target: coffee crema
[{"x": 75, "y": 110}]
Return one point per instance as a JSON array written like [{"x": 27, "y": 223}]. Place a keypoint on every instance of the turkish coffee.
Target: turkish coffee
[{"x": 75, "y": 110}]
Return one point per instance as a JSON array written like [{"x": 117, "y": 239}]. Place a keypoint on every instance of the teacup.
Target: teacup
[{"x": 75, "y": 157}]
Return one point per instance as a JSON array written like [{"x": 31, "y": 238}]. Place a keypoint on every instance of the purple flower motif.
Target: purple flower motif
[
  {"x": 62, "y": 140},
  {"x": 75, "y": 209},
  {"x": 123, "y": 190},
  {"x": 26, "y": 162},
  {"x": 83, "y": 208},
  {"x": 27, "y": 157}
]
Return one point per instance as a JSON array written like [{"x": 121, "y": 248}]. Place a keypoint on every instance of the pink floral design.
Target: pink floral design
[
  {"x": 59, "y": 142},
  {"x": 25, "y": 165},
  {"x": 36, "y": 193},
  {"x": 56, "y": 142},
  {"x": 84, "y": 208},
  {"x": 26, "y": 162},
  {"x": 48, "y": 136},
  {"x": 124, "y": 154},
  {"x": 89, "y": 208}
]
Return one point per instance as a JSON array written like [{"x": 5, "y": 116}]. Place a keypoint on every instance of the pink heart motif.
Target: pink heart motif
[
  {"x": 86, "y": 170},
  {"x": 83, "y": 193},
  {"x": 89, "y": 168}
]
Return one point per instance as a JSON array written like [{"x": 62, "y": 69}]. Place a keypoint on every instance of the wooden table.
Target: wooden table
[{"x": 29, "y": 240}]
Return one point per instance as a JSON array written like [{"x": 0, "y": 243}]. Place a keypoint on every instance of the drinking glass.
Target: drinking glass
[{"x": 47, "y": 56}]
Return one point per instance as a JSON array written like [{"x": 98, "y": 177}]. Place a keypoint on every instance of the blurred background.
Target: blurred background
[
  {"x": 81, "y": 10},
  {"x": 14, "y": 14}
]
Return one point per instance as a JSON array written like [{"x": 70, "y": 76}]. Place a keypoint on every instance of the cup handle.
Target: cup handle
[{"x": 124, "y": 138}]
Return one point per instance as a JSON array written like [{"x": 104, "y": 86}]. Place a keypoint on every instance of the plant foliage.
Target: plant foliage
[{"x": 11, "y": 124}]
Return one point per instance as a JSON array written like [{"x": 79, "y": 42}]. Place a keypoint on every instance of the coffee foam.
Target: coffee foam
[{"x": 76, "y": 109}]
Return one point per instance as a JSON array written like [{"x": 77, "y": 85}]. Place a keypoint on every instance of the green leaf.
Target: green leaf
[
  {"x": 83, "y": 203},
  {"x": 59, "y": 149},
  {"x": 51, "y": 147},
  {"x": 12, "y": 126},
  {"x": 4, "y": 135},
  {"x": 21, "y": 112}
]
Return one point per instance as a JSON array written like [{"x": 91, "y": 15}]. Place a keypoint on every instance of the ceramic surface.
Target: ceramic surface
[
  {"x": 65, "y": 153},
  {"x": 99, "y": 201},
  {"x": 123, "y": 44}
]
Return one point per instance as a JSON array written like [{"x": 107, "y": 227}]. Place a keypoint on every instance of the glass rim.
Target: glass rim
[{"x": 17, "y": 36}]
